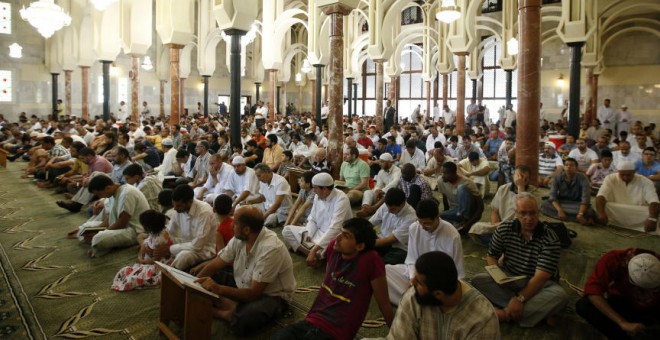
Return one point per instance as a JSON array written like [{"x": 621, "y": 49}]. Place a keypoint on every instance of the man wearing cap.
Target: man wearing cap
[
  {"x": 169, "y": 159},
  {"x": 387, "y": 178},
  {"x": 550, "y": 164},
  {"x": 625, "y": 117},
  {"x": 628, "y": 200},
  {"x": 607, "y": 115},
  {"x": 355, "y": 172},
  {"x": 621, "y": 297},
  {"x": 330, "y": 209},
  {"x": 243, "y": 184}
]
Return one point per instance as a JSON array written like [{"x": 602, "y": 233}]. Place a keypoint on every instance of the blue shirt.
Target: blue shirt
[
  {"x": 393, "y": 150},
  {"x": 644, "y": 171},
  {"x": 493, "y": 145}
]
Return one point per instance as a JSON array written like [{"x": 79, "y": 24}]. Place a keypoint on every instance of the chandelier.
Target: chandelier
[
  {"x": 15, "y": 50},
  {"x": 146, "y": 64},
  {"x": 101, "y": 5},
  {"x": 247, "y": 39},
  {"x": 512, "y": 46},
  {"x": 448, "y": 12},
  {"x": 306, "y": 67},
  {"x": 46, "y": 17}
]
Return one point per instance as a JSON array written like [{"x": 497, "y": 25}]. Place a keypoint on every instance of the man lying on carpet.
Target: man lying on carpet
[
  {"x": 354, "y": 272},
  {"x": 263, "y": 271}
]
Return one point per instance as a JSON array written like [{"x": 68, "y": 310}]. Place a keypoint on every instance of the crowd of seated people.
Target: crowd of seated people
[{"x": 398, "y": 209}]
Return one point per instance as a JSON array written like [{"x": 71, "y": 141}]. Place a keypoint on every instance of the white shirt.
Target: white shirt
[
  {"x": 445, "y": 238},
  {"x": 215, "y": 184},
  {"x": 584, "y": 159},
  {"x": 418, "y": 159},
  {"x": 467, "y": 168},
  {"x": 430, "y": 141},
  {"x": 449, "y": 116},
  {"x": 278, "y": 186},
  {"x": 639, "y": 192},
  {"x": 194, "y": 230},
  {"x": 618, "y": 157},
  {"x": 327, "y": 216},
  {"x": 248, "y": 181},
  {"x": 169, "y": 159},
  {"x": 387, "y": 180},
  {"x": 607, "y": 114},
  {"x": 397, "y": 225}
]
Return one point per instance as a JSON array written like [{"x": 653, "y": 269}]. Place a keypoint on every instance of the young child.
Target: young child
[
  {"x": 145, "y": 274},
  {"x": 303, "y": 205}
]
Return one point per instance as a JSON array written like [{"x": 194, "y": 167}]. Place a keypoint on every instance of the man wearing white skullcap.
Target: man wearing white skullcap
[
  {"x": 621, "y": 297},
  {"x": 387, "y": 178},
  {"x": 628, "y": 200},
  {"x": 329, "y": 211},
  {"x": 243, "y": 184}
]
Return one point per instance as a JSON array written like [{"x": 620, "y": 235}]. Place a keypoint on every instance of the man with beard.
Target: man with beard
[
  {"x": 243, "y": 184},
  {"x": 442, "y": 306}
]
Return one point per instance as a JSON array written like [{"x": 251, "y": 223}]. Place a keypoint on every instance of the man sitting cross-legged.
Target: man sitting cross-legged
[
  {"x": 570, "y": 196},
  {"x": 330, "y": 209},
  {"x": 532, "y": 249},
  {"x": 387, "y": 178},
  {"x": 462, "y": 196},
  {"x": 428, "y": 233},
  {"x": 122, "y": 220},
  {"x": 275, "y": 193},
  {"x": 263, "y": 272},
  {"x": 441, "y": 306},
  {"x": 354, "y": 272},
  {"x": 394, "y": 218}
]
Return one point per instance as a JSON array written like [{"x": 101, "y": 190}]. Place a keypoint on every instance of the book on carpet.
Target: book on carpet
[
  {"x": 500, "y": 276},
  {"x": 185, "y": 279},
  {"x": 90, "y": 227}
]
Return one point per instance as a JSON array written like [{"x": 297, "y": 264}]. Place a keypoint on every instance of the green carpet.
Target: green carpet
[{"x": 50, "y": 289}]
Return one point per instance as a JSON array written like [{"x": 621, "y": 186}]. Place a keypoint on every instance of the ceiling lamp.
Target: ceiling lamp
[
  {"x": 298, "y": 77},
  {"x": 15, "y": 50},
  {"x": 46, "y": 17},
  {"x": 101, "y": 5},
  {"x": 146, "y": 64},
  {"x": 512, "y": 46},
  {"x": 306, "y": 67},
  {"x": 560, "y": 80},
  {"x": 448, "y": 12},
  {"x": 246, "y": 39}
]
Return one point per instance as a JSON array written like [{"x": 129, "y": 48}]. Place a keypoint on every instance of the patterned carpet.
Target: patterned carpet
[{"x": 49, "y": 288}]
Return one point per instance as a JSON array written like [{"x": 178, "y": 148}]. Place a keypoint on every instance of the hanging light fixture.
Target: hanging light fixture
[
  {"x": 560, "y": 80},
  {"x": 306, "y": 67},
  {"x": 298, "y": 77},
  {"x": 247, "y": 39},
  {"x": 448, "y": 12},
  {"x": 15, "y": 50},
  {"x": 46, "y": 17},
  {"x": 114, "y": 70},
  {"x": 512, "y": 46},
  {"x": 146, "y": 64},
  {"x": 101, "y": 5}
]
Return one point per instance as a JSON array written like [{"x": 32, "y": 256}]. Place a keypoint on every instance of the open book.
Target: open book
[
  {"x": 89, "y": 229},
  {"x": 340, "y": 184},
  {"x": 185, "y": 279},
  {"x": 500, "y": 276}
]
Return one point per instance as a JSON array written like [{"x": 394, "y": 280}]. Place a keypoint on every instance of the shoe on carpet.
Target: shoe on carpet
[{"x": 73, "y": 207}]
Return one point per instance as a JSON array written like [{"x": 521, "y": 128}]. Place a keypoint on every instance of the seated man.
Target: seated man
[
  {"x": 275, "y": 193},
  {"x": 628, "y": 200},
  {"x": 394, "y": 219},
  {"x": 503, "y": 205},
  {"x": 428, "y": 233},
  {"x": 219, "y": 174},
  {"x": 191, "y": 229},
  {"x": 353, "y": 274},
  {"x": 330, "y": 209},
  {"x": 438, "y": 300},
  {"x": 477, "y": 170},
  {"x": 414, "y": 185},
  {"x": 462, "y": 195},
  {"x": 413, "y": 155},
  {"x": 621, "y": 297},
  {"x": 649, "y": 167},
  {"x": 263, "y": 272},
  {"x": 433, "y": 170},
  {"x": 387, "y": 178},
  {"x": 570, "y": 196},
  {"x": 243, "y": 184},
  {"x": 550, "y": 164},
  {"x": 355, "y": 172},
  {"x": 122, "y": 220},
  {"x": 583, "y": 155},
  {"x": 532, "y": 249}
]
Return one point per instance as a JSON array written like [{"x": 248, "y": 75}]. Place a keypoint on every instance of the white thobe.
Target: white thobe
[
  {"x": 607, "y": 114},
  {"x": 385, "y": 180},
  {"x": 248, "y": 181},
  {"x": 628, "y": 205},
  {"x": 278, "y": 186},
  {"x": 397, "y": 225},
  {"x": 430, "y": 141},
  {"x": 417, "y": 159},
  {"x": 193, "y": 233}
]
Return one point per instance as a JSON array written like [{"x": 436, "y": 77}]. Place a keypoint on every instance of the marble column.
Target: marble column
[
  {"x": 445, "y": 88},
  {"x": 509, "y": 86},
  {"x": 206, "y": 95},
  {"x": 257, "y": 87},
  {"x": 106, "y": 89},
  {"x": 325, "y": 93},
  {"x": 529, "y": 86},
  {"x": 182, "y": 96},
  {"x": 460, "y": 93},
  {"x": 436, "y": 84},
  {"x": 278, "y": 100},
  {"x": 379, "y": 96},
  {"x": 67, "y": 92},
  {"x": 594, "y": 96},
  {"x": 574, "y": 88},
  {"x": 317, "y": 94},
  {"x": 162, "y": 99},
  {"x": 336, "y": 85},
  {"x": 54, "y": 94},
  {"x": 235, "y": 86},
  {"x": 474, "y": 90},
  {"x": 355, "y": 87},
  {"x": 480, "y": 91},
  {"x": 273, "y": 95},
  {"x": 85, "y": 92},
  {"x": 175, "y": 87},
  {"x": 428, "y": 99},
  {"x": 350, "y": 98},
  {"x": 135, "y": 88},
  {"x": 300, "y": 99}
]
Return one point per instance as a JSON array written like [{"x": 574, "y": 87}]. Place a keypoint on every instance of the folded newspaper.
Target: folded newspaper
[{"x": 500, "y": 276}]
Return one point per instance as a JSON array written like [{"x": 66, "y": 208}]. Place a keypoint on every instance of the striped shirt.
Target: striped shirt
[
  {"x": 526, "y": 257},
  {"x": 547, "y": 166}
]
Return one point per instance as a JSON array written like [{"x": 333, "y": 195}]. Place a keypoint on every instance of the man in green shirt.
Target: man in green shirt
[{"x": 355, "y": 172}]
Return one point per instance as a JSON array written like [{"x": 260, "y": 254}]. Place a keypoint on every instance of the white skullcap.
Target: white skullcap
[
  {"x": 385, "y": 156},
  {"x": 550, "y": 144},
  {"x": 238, "y": 160},
  {"x": 624, "y": 106},
  {"x": 167, "y": 142},
  {"x": 323, "y": 180},
  {"x": 644, "y": 271},
  {"x": 625, "y": 166}
]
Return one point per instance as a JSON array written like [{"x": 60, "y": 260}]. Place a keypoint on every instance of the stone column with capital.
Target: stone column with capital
[
  {"x": 257, "y": 86},
  {"x": 460, "y": 93},
  {"x": 350, "y": 97},
  {"x": 54, "y": 94},
  {"x": 175, "y": 87},
  {"x": 594, "y": 96},
  {"x": 334, "y": 93},
  {"x": 182, "y": 88},
  {"x": 428, "y": 99},
  {"x": 529, "y": 86},
  {"x": 574, "y": 88},
  {"x": 135, "y": 88},
  {"x": 445, "y": 89},
  {"x": 379, "y": 96},
  {"x": 106, "y": 89},
  {"x": 162, "y": 99},
  {"x": 67, "y": 92},
  {"x": 85, "y": 92},
  {"x": 273, "y": 95}
]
